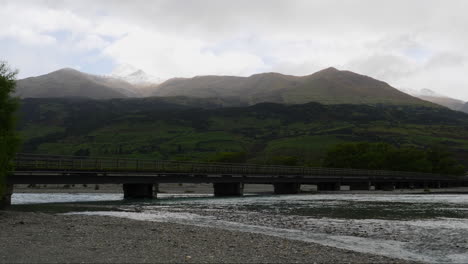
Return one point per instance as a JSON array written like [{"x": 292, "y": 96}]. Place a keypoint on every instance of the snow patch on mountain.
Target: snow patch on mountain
[{"x": 134, "y": 75}]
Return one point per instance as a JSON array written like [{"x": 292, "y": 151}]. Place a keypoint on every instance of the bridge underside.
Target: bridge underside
[{"x": 144, "y": 185}]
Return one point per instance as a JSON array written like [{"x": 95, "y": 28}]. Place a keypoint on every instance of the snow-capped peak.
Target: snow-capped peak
[{"x": 134, "y": 76}]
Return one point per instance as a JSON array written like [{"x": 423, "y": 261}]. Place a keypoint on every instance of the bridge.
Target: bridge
[{"x": 140, "y": 176}]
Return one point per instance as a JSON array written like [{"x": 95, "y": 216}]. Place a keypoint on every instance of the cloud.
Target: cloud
[
  {"x": 169, "y": 56},
  {"x": 417, "y": 44},
  {"x": 91, "y": 41}
]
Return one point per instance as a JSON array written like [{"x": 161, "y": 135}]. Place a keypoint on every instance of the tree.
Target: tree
[
  {"x": 443, "y": 162},
  {"x": 8, "y": 138}
]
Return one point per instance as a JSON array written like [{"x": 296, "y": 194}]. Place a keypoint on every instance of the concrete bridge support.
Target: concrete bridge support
[
  {"x": 385, "y": 186},
  {"x": 228, "y": 189},
  {"x": 287, "y": 188},
  {"x": 6, "y": 199},
  {"x": 328, "y": 186},
  {"x": 358, "y": 185},
  {"x": 455, "y": 184},
  {"x": 402, "y": 185},
  {"x": 434, "y": 184},
  {"x": 139, "y": 191},
  {"x": 443, "y": 184},
  {"x": 419, "y": 185}
]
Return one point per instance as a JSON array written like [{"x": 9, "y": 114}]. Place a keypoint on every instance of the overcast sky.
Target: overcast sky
[{"x": 410, "y": 44}]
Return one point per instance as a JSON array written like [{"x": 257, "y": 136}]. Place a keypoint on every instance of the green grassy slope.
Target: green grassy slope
[{"x": 154, "y": 128}]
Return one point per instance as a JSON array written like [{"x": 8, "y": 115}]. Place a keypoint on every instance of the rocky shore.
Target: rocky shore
[{"x": 32, "y": 237}]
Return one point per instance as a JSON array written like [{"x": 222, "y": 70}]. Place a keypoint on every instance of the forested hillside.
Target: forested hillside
[{"x": 195, "y": 129}]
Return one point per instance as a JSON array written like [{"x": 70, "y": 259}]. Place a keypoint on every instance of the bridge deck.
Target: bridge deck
[{"x": 68, "y": 169}]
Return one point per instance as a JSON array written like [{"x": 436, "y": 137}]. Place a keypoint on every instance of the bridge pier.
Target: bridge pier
[
  {"x": 287, "y": 188},
  {"x": 385, "y": 186},
  {"x": 328, "y": 186},
  {"x": 402, "y": 185},
  {"x": 434, "y": 184},
  {"x": 139, "y": 190},
  {"x": 222, "y": 189},
  {"x": 418, "y": 185},
  {"x": 353, "y": 186},
  {"x": 457, "y": 184},
  {"x": 6, "y": 199}
]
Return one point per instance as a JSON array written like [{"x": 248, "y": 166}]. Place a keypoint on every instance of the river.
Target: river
[{"x": 422, "y": 227}]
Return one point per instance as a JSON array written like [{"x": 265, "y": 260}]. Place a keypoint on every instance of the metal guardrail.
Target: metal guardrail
[{"x": 31, "y": 162}]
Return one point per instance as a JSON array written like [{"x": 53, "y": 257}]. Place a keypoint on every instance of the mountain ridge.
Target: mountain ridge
[
  {"x": 329, "y": 86},
  {"x": 68, "y": 82}
]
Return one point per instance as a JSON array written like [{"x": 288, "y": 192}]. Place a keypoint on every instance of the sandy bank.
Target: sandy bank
[{"x": 49, "y": 238}]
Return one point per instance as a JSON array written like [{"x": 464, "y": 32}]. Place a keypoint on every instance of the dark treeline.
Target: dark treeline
[
  {"x": 369, "y": 156},
  {"x": 383, "y": 156}
]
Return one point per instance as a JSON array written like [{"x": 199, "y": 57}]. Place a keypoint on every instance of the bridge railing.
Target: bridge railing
[{"x": 26, "y": 162}]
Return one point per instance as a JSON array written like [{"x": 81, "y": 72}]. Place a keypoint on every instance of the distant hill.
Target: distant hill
[
  {"x": 436, "y": 98},
  {"x": 464, "y": 108},
  {"x": 329, "y": 86},
  {"x": 72, "y": 83},
  {"x": 451, "y": 103}
]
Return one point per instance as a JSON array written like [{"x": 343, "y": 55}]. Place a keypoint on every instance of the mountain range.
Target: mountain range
[{"x": 329, "y": 86}]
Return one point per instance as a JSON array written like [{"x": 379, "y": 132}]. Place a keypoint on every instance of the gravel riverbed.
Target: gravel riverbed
[{"x": 33, "y": 237}]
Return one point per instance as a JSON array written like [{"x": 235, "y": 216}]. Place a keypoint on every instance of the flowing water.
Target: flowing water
[{"x": 426, "y": 227}]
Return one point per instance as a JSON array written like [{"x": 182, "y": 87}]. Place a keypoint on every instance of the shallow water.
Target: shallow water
[{"x": 428, "y": 227}]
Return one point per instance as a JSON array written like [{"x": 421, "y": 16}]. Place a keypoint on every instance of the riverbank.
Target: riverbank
[{"x": 55, "y": 238}]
